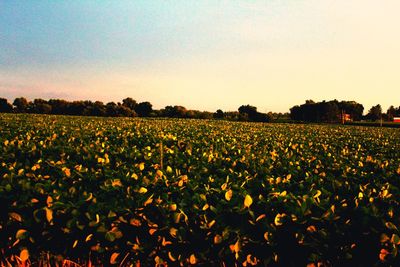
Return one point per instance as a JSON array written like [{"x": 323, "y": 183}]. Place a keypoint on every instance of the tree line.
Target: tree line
[
  {"x": 129, "y": 108},
  {"x": 310, "y": 111},
  {"x": 333, "y": 111}
]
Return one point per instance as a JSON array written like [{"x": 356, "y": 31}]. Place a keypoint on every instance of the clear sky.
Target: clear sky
[{"x": 202, "y": 54}]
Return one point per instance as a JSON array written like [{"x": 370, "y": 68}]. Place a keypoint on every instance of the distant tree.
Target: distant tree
[
  {"x": 247, "y": 109},
  {"x": 329, "y": 111},
  {"x": 262, "y": 117},
  {"x": 144, "y": 109},
  {"x": 87, "y": 108},
  {"x": 192, "y": 114},
  {"x": 243, "y": 117},
  {"x": 112, "y": 109},
  {"x": 168, "y": 111},
  {"x": 124, "y": 111},
  {"x": 309, "y": 112},
  {"x": 296, "y": 113},
  {"x": 219, "y": 114},
  {"x": 76, "y": 108},
  {"x": 375, "y": 113},
  {"x": 99, "y": 109},
  {"x": 390, "y": 113},
  {"x": 129, "y": 103},
  {"x": 393, "y": 112},
  {"x": 279, "y": 117},
  {"x": 41, "y": 106},
  {"x": 232, "y": 115},
  {"x": 21, "y": 104},
  {"x": 5, "y": 106},
  {"x": 247, "y": 112},
  {"x": 397, "y": 112},
  {"x": 154, "y": 113},
  {"x": 180, "y": 111},
  {"x": 59, "y": 106},
  {"x": 324, "y": 111},
  {"x": 176, "y": 112},
  {"x": 353, "y": 108},
  {"x": 205, "y": 115}
]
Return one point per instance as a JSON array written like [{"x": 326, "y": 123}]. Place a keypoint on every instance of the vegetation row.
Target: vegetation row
[
  {"x": 123, "y": 191},
  {"x": 325, "y": 111}
]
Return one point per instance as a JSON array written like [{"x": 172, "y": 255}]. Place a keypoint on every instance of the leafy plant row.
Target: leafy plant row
[{"x": 188, "y": 192}]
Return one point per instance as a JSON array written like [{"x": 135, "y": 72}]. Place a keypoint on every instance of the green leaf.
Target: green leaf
[{"x": 110, "y": 236}]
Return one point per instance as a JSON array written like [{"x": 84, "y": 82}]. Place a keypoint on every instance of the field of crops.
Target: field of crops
[{"x": 187, "y": 192}]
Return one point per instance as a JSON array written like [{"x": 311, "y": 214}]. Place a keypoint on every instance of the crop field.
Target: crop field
[{"x": 82, "y": 191}]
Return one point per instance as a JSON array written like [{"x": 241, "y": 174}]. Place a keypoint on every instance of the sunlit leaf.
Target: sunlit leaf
[
  {"x": 172, "y": 258},
  {"x": 383, "y": 254},
  {"x": 15, "y": 216},
  {"x": 89, "y": 237},
  {"x": 24, "y": 255},
  {"x": 311, "y": 229},
  {"x": 67, "y": 172},
  {"x": 317, "y": 194},
  {"x": 141, "y": 166},
  {"x": 228, "y": 195},
  {"x": 278, "y": 219},
  {"x": 20, "y": 234},
  {"x": 142, "y": 190},
  {"x": 248, "y": 201},
  {"x": 217, "y": 239},
  {"x": 49, "y": 201},
  {"x": 192, "y": 259},
  {"x": 49, "y": 215},
  {"x": 113, "y": 258}
]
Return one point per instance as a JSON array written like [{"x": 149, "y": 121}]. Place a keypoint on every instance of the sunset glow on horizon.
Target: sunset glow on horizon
[{"x": 203, "y": 55}]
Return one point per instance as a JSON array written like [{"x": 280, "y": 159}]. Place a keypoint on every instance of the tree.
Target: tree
[
  {"x": 76, "y": 108},
  {"x": 204, "y": 115},
  {"x": 5, "y": 106},
  {"x": 144, "y": 109},
  {"x": 41, "y": 106},
  {"x": 180, "y": 111},
  {"x": 99, "y": 109},
  {"x": 21, "y": 104},
  {"x": 129, "y": 103},
  {"x": 124, "y": 111},
  {"x": 112, "y": 109},
  {"x": 247, "y": 109},
  {"x": 247, "y": 112},
  {"x": 324, "y": 111},
  {"x": 175, "y": 112},
  {"x": 232, "y": 115},
  {"x": 353, "y": 108},
  {"x": 296, "y": 113},
  {"x": 329, "y": 111},
  {"x": 59, "y": 106},
  {"x": 393, "y": 112},
  {"x": 375, "y": 113},
  {"x": 219, "y": 114}
]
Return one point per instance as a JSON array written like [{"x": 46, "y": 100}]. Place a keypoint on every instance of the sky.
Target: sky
[{"x": 203, "y": 55}]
